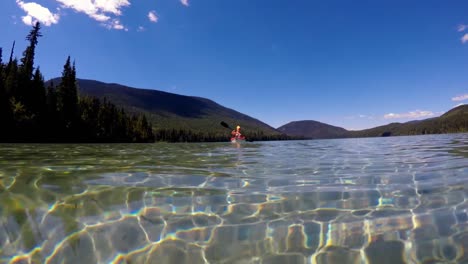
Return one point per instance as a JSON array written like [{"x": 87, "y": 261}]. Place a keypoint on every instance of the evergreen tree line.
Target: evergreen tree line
[
  {"x": 31, "y": 113},
  {"x": 183, "y": 135}
]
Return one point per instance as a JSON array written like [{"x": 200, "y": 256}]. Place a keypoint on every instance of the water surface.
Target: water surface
[{"x": 373, "y": 200}]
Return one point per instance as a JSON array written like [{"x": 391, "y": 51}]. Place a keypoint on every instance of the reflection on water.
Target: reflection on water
[{"x": 381, "y": 200}]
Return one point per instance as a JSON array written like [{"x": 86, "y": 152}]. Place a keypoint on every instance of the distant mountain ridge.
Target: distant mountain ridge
[
  {"x": 313, "y": 130},
  {"x": 173, "y": 111},
  {"x": 453, "y": 121}
]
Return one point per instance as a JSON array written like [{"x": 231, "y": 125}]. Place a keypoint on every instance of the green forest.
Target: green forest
[{"x": 30, "y": 112}]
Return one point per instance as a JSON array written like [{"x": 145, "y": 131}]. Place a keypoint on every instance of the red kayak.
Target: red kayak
[{"x": 238, "y": 139}]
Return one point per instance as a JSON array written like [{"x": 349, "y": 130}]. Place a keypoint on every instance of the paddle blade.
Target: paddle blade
[{"x": 225, "y": 125}]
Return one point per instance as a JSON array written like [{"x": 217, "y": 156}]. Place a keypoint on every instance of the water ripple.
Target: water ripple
[{"x": 373, "y": 200}]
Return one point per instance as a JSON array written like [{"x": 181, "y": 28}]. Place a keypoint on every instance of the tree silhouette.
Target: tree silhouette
[{"x": 67, "y": 97}]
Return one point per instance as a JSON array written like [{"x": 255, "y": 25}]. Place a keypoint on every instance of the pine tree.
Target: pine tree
[
  {"x": 51, "y": 124},
  {"x": 9, "y": 84},
  {"x": 2, "y": 88},
  {"x": 11, "y": 58},
  {"x": 38, "y": 105},
  {"x": 27, "y": 62},
  {"x": 51, "y": 100},
  {"x": 31, "y": 91},
  {"x": 11, "y": 77},
  {"x": 67, "y": 96},
  {"x": 4, "y": 106},
  {"x": 144, "y": 129}
]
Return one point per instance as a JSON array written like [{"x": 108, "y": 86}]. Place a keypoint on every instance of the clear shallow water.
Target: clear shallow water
[{"x": 380, "y": 200}]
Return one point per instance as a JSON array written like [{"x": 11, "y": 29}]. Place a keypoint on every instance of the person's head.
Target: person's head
[{"x": 238, "y": 128}]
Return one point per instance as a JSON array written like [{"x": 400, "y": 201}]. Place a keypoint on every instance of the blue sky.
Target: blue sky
[{"x": 354, "y": 64}]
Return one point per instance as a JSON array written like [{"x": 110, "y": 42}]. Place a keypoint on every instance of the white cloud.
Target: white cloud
[
  {"x": 110, "y": 6},
  {"x": 464, "y": 39},
  {"x": 100, "y": 17},
  {"x": 28, "y": 20},
  {"x": 92, "y": 7},
  {"x": 100, "y": 10},
  {"x": 36, "y": 12},
  {"x": 141, "y": 29},
  {"x": 185, "y": 2},
  {"x": 410, "y": 115},
  {"x": 462, "y": 97},
  {"x": 462, "y": 28},
  {"x": 153, "y": 17}
]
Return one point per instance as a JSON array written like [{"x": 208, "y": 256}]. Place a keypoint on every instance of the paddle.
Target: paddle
[{"x": 224, "y": 124}]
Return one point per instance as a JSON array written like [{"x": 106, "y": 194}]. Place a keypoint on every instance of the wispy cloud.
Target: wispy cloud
[
  {"x": 153, "y": 17},
  {"x": 115, "y": 24},
  {"x": 360, "y": 116},
  {"x": 185, "y": 2},
  {"x": 410, "y": 115},
  {"x": 36, "y": 12},
  {"x": 141, "y": 29},
  {"x": 462, "y": 97},
  {"x": 462, "y": 28},
  {"x": 464, "y": 39}
]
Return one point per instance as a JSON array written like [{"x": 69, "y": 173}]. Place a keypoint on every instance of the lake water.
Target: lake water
[{"x": 372, "y": 200}]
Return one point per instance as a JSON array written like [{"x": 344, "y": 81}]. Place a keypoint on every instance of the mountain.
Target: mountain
[
  {"x": 172, "y": 111},
  {"x": 313, "y": 130},
  {"x": 453, "y": 121},
  {"x": 200, "y": 115}
]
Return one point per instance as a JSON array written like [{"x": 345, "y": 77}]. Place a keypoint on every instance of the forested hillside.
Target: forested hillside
[{"x": 31, "y": 113}]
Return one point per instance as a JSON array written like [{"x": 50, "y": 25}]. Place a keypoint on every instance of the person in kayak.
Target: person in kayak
[{"x": 236, "y": 134}]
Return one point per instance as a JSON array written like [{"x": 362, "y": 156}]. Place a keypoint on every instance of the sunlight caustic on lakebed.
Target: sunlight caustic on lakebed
[{"x": 381, "y": 200}]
